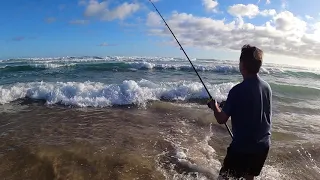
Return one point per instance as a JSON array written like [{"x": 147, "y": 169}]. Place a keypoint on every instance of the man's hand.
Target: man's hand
[
  {"x": 213, "y": 104},
  {"x": 221, "y": 117}
]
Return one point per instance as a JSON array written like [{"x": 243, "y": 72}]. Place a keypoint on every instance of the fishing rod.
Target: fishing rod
[{"x": 205, "y": 87}]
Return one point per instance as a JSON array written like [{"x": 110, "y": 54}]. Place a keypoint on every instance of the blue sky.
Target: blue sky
[{"x": 207, "y": 29}]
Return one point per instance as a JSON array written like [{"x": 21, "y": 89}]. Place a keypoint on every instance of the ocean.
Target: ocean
[{"x": 144, "y": 118}]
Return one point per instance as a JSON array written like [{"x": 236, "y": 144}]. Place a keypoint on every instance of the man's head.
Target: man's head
[{"x": 250, "y": 60}]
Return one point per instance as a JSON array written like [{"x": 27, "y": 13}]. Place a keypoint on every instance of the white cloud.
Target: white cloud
[
  {"x": 283, "y": 34},
  {"x": 284, "y": 4},
  {"x": 121, "y": 12},
  {"x": 106, "y": 44},
  {"x": 308, "y": 17},
  {"x": 102, "y": 11},
  {"x": 286, "y": 21},
  {"x": 268, "y": 12},
  {"x": 210, "y": 5},
  {"x": 79, "y": 21},
  {"x": 95, "y": 8},
  {"x": 242, "y": 10},
  {"x": 316, "y": 26},
  {"x": 250, "y": 10},
  {"x": 267, "y": 1},
  {"x": 153, "y": 19}
]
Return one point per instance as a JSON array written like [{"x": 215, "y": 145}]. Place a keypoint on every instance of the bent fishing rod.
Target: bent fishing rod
[{"x": 205, "y": 87}]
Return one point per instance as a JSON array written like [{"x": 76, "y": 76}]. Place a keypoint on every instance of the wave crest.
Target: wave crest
[{"x": 95, "y": 94}]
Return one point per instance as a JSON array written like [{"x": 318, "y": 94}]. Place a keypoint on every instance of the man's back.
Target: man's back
[{"x": 249, "y": 105}]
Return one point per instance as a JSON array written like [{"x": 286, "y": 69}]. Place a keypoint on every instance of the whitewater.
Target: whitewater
[{"x": 144, "y": 117}]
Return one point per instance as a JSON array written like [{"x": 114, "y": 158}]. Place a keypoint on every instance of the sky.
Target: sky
[{"x": 287, "y": 31}]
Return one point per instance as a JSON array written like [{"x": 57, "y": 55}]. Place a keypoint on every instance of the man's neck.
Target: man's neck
[{"x": 249, "y": 76}]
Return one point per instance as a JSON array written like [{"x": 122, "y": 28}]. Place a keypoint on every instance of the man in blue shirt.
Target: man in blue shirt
[{"x": 249, "y": 106}]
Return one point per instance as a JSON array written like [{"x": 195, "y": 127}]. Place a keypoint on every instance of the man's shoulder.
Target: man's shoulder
[
  {"x": 265, "y": 84},
  {"x": 236, "y": 88},
  {"x": 240, "y": 86}
]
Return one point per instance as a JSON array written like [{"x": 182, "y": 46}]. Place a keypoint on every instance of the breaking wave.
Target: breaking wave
[
  {"x": 95, "y": 94},
  {"x": 129, "y": 66},
  {"x": 96, "y": 59},
  {"x": 118, "y": 63},
  {"x": 126, "y": 66},
  {"x": 32, "y": 67}
]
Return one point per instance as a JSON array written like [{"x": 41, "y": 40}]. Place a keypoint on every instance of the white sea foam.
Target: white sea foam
[
  {"x": 218, "y": 68},
  {"x": 100, "y": 95},
  {"x": 201, "y": 159},
  {"x": 270, "y": 173},
  {"x": 221, "y": 68},
  {"x": 271, "y": 70},
  {"x": 197, "y": 157},
  {"x": 142, "y": 65}
]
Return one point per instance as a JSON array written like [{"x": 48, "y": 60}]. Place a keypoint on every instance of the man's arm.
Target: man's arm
[{"x": 220, "y": 116}]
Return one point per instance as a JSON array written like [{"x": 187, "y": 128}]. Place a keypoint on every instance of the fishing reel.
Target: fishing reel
[{"x": 222, "y": 104}]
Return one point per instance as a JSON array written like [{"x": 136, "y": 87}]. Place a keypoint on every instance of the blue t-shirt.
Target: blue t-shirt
[{"x": 249, "y": 105}]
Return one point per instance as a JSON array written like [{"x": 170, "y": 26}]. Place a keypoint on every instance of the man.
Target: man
[{"x": 249, "y": 106}]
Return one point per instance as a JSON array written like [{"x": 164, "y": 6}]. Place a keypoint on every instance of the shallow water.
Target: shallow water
[{"x": 161, "y": 141}]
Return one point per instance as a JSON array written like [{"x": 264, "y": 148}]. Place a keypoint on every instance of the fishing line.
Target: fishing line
[{"x": 205, "y": 87}]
